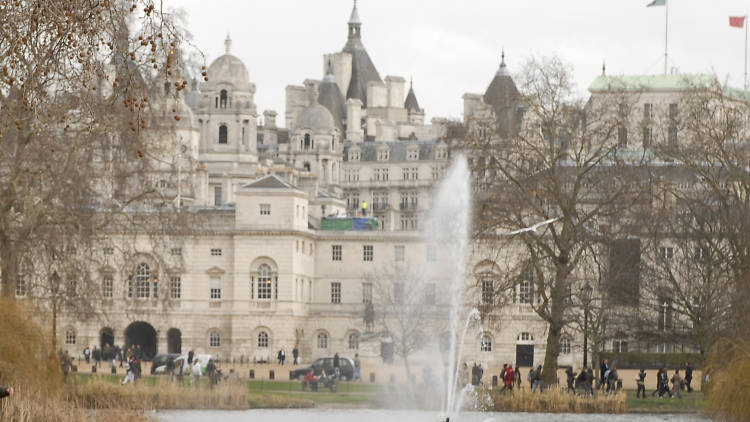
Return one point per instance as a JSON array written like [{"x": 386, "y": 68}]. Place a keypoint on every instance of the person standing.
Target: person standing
[
  {"x": 190, "y": 357},
  {"x": 510, "y": 378},
  {"x": 336, "y": 365},
  {"x": 295, "y": 355},
  {"x": 571, "y": 376},
  {"x": 357, "y": 370},
  {"x": 677, "y": 383},
  {"x": 463, "y": 379},
  {"x": 211, "y": 373},
  {"x": 688, "y": 377},
  {"x": 364, "y": 208},
  {"x": 640, "y": 380},
  {"x": 603, "y": 368},
  {"x": 502, "y": 377},
  {"x": 97, "y": 355},
  {"x": 538, "y": 383},
  {"x": 590, "y": 382},
  {"x": 87, "y": 354},
  {"x": 196, "y": 371},
  {"x": 130, "y": 372},
  {"x": 517, "y": 376}
]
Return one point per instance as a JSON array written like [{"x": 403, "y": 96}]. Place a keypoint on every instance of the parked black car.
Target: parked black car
[
  {"x": 346, "y": 368},
  {"x": 161, "y": 360}
]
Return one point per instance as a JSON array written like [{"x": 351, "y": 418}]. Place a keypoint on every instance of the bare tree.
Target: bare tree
[{"x": 563, "y": 166}]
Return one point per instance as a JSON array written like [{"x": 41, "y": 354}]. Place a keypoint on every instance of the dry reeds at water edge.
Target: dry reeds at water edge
[
  {"x": 728, "y": 383},
  {"x": 555, "y": 400}
]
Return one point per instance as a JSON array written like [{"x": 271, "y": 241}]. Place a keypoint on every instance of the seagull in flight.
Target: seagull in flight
[{"x": 532, "y": 228}]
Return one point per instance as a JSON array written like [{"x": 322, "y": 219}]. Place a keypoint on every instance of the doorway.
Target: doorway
[
  {"x": 144, "y": 335},
  {"x": 174, "y": 341}
]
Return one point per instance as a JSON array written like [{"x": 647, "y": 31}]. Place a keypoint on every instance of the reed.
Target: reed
[
  {"x": 555, "y": 400},
  {"x": 729, "y": 381}
]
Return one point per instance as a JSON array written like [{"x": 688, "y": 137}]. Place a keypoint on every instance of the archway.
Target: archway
[
  {"x": 174, "y": 341},
  {"x": 142, "y": 334},
  {"x": 106, "y": 336}
]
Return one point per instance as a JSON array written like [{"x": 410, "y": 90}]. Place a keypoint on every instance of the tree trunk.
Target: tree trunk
[
  {"x": 54, "y": 325},
  {"x": 556, "y": 322},
  {"x": 7, "y": 270}
]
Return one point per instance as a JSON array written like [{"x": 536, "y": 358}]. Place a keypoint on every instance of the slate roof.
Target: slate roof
[
  {"x": 398, "y": 150},
  {"x": 329, "y": 96},
  {"x": 503, "y": 96},
  {"x": 363, "y": 70},
  {"x": 270, "y": 181},
  {"x": 411, "y": 102}
]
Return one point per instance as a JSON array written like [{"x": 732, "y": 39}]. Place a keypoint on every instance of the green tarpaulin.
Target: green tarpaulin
[{"x": 345, "y": 224}]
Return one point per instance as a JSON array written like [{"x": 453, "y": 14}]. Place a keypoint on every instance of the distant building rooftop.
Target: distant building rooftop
[{"x": 651, "y": 82}]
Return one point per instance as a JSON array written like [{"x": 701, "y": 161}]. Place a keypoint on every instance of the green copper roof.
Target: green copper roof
[
  {"x": 736, "y": 93},
  {"x": 651, "y": 82}
]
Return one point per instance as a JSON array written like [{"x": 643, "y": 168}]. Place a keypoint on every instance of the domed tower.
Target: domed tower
[
  {"x": 226, "y": 112},
  {"x": 317, "y": 144}
]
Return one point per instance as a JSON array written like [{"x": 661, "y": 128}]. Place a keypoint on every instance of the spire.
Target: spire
[
  {"x": 604, "y": 68},
  {"x": 503, "y": 70},
  {"x": 228, "y": 44},
  {"x": 411, "y": 103},
  {"x": 502, "y": 58},
  {"x": 354, "y": 18},
  {"x": 329, "y": 72},
  {"x": 355, "y": 25}
]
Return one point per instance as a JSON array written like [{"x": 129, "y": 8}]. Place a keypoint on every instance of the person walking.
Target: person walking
[
  {"x": 295, "y": 356},
  {"x": 589, "y": 387},
  {"x": 517, "y": 376},
  {"x": 502, "y": 377},
  {"x": 87, "y": 354},
  {"x": 336, "y": 365},
  {"x": 571, "y": 376},
  {"x": 97, "y": 355},
  {"x": 603, "y": 368},
  {"x": 677, "y": 383},
  {"x": 612, "y": 380},
  {"x": 130, "y": 372},
  {"x": 196, "y": 371},
  {"x": 211, "y": 373},
  {"x": 357, "y": 371},
  {"x": 688, "y": 377},
  {"x": 538, "y": 383},
  {"x": 640, "y": 381},
  {"x": 510, "y": 378},
  {"x": 190, "y": 358},
  {"x": 463, "y": 377}
]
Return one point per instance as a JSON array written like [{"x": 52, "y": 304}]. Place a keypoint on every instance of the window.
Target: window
[
  {"x": 665, "y": 314},
  {"x": 107, "y": 286},
  {"x": 215, "y": 251},
  {"x": 108, "y": 251},
  {"x": 70, "y": 336},
  {"x": 648, "y": 111},
  {"x": 217, "y": 195},
  {"x": 435, "y": 173},
  {"x": 353, "y": 341},
  {"x": 648, "y": 136},
  {"x": 142, "y": 278},
  {"x": 223, "y": 134},
  {"x": 565, "y": 346},
  {"x": 488, "y": 291},
  {"x": 215, "y": 286},
  {"x": 336, "y": 252},
  {"x": 672, "y": 136},
  {"x": 263, "y": 339},
  {"x": 620, "y": 346},
  {"x": 525, "y": 292},
  {"x": 322, "y": 341},
  {"x": 335, "y": 292},
  {"x": 414, "y": 173},
  {"x": 366, "y": 292},
  {"x": 399, "y": 253},
  {"x": 486, "y": 344},
  {"x": 673, "y": 111},
  {"x": 525, "y": 336},
  {"x": 367, "y": 252},
  {"x": 428, "y": 297},
  {"x": 214, "y": 339},
  {"x": 265, "y": 209},
  {"x": 622, "y": 136},
  {"x": 21, "y": 281},
  {"x": 175, "y": 287},
  {"x": 264, "y": 282},
  {"x": 431, "y": 253},
  {"x": 223, "y": 98},
  {"x": 175, "y": 251},
  {"x": 398, "y": 292},
  {"x": 666, "y": 252},
  {"x": 307, "y": 140}
]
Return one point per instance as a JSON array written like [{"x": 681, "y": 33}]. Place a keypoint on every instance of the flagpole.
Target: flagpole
[{"x": 666, "y": 33}]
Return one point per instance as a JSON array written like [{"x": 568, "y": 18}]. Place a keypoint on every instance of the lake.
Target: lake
[{"x": 366, "y": 415}]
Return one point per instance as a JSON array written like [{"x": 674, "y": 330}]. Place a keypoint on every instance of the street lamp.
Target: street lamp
[{"x": 586, "y": 300}]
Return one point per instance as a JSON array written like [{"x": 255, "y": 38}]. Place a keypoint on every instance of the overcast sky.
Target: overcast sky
[{"x": 452, "y": 47}]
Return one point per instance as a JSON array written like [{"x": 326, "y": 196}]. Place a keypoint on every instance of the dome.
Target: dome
[
  {"x": 317, "y": 118},
  {"x": 229, "y": 69}
]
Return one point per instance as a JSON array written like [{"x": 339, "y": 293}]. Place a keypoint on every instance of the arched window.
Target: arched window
[
  {"x": 565, "y": 346},
  {"x": 264, "y": 282},
  {"x": 306, "y": 166},
  {"x": 223, "y": 134},
  {"x": 214, "y": 339},
  {"x": 263, "y": 339},
  {"x": 70, "y": 336},
  {"x": 322, "y": 341},
  {"x": 525, "y": 337},
  {"x": 142, "y": 278},
  {"x": 353, "y": 341},
  {"x": 307, "y": 140},
  {"x": 486, "y": 344},
  {"x": 223, "y": 98}
]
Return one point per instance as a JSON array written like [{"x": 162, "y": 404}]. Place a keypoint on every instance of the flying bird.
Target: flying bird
[{"x": 532, "y": 228}]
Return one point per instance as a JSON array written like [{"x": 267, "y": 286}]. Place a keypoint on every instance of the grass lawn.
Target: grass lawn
[{"x": 690, "y": 403}]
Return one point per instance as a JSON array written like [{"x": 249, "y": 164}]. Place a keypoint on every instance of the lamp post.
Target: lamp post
[{"x": 586, "y": 300}]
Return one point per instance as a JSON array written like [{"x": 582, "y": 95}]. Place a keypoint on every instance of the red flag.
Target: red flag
[{"x": 737, "y": 21}]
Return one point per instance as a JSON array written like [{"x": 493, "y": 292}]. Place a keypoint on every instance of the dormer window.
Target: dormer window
[
  {"x": 441, "y": 154},
  {"x": 354, "y": 155},
  {"x": 383, "y": 155},
  {"x": 412, "y": 154},
  {"x": 223, "y": 98}
]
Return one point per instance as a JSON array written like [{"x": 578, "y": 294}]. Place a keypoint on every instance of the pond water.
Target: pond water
[{"x": 365, "y": 415}]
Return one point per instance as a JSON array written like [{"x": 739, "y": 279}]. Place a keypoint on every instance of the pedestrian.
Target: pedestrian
[
  {"x": 196, "y": 371},
  {"x": 130, "y": 372},
  {"x": 463, "y": 378},
  {"x": 517, "y": 376},
  {"x": 295, "y": 355},
  {"x": 530, "y": 378},
  {"x": 87, "y": 354},
  {"x": 357, "y": 370},
  {"x": 677, "y": 383},
  {"x": 66, "y": 364},
  {"x": 612, "y": 379},
  {"x": 364, "y": 208},
  {"x": 211, "y": 373},
  {"x": 6, "y": 392},
  {"x": 283, "y": 357},
  {"x": 510, "y": 378},
  {"x": 336, "y": 365},
  {"x": 480, "y": 372},
  {"x": 502, "y": 376},
  {"x": 580, "y": 383},
  {"x": 538, "y": 383},
  {"x": 97, "y": 355},
  {"x": 190, "y": 357},
  {"x": 688, "y": 377},
  {"x": 571, "y": 376},
  {"x": 640, "y": 381},
  {"x": 590, "y": 382},
  {"x": 603, "y": 368}
]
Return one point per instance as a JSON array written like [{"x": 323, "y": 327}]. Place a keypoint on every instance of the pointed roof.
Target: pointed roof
[
  {"x": 411, "y": 102},
  {"x": 271, "y": 181},
  {"x": 329, "y": 96},
  {"x": 363, "y": 69},
  {"x": 502, "y": 94}
]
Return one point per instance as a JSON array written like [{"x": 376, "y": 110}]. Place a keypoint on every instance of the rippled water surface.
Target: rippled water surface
[{"x": 361, "y": 415}]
